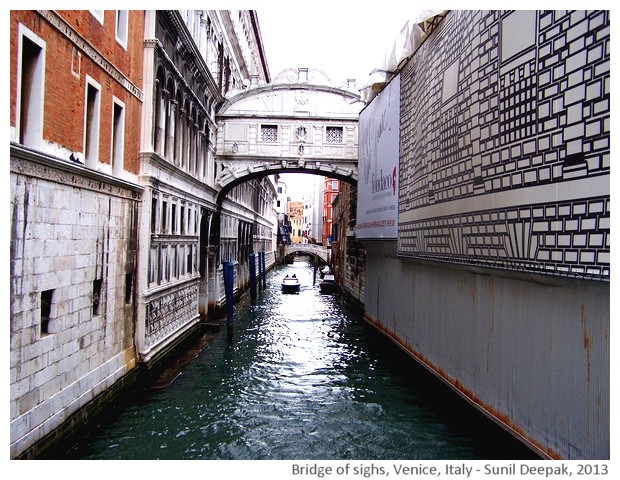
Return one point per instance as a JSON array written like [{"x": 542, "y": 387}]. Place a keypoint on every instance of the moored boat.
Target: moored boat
[{"x": 328, "y": 284}]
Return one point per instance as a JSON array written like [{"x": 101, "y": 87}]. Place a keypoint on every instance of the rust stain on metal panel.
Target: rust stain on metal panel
[
  {"x": 474, "y": 294},
  {"x": 587, "y": 342},
  {"x": 498, "y": 417}
]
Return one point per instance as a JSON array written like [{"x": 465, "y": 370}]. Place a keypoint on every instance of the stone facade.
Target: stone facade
[
  {"x": 186, "y": 230},
  {"x": 72, "y": 308},
  {"x": 348, "y": 258},
  {"x": 74, "y": 213},
  {"x": 117, "y": 230}
]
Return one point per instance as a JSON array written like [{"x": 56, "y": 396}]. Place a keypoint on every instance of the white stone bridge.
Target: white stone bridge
[
  {"x": 308, "y": 249},
  {"x": 299, "y": 123}
]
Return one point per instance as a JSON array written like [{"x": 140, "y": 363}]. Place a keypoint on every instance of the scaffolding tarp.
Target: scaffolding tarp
[{"x": 405, "y": 44}]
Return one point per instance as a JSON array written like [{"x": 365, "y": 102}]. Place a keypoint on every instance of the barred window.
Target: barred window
[
  {"x": 334, "y": 135},
  {"x": 269, "y": 133}
]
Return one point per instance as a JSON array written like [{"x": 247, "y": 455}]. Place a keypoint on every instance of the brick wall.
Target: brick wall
[{"x": 77, "y": 45}]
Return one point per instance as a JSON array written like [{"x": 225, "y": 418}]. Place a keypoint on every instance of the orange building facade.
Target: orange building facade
[
  {"x": 330, "y": 192},
  {"x": 75, "y": 78}
]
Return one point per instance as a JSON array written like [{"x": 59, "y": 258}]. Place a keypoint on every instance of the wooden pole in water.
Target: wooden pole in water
[
  {"x": 262, "y": 260},
  {"x": 229, "y": 276},
  {"x": 260, "y": 272},
  {"x": 316, "y": 261},
  {"x": 252, "y": 261}
]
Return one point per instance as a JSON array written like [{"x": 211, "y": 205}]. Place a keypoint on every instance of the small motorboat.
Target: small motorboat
[
  {"x": 328, "y": 284},
  {"x": 290, "y": 284}
]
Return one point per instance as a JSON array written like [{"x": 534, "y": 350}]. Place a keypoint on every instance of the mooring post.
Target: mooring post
[
  {"x": 229, "y": 277},
  {"x": 260, "y": 272},
  {"x": 264, "y": 278},
  {"x": 316, "y": 261},
  {"x": 252, "y": 261}
]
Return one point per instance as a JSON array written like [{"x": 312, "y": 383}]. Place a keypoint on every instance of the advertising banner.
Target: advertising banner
[{"x": 377, "y": 191}]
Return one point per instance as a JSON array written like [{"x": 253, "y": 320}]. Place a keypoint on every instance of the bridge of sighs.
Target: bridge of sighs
[{"x": 299, "y": 123}]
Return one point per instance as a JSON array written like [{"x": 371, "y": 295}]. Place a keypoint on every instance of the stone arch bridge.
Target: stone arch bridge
[
  {"x": 299, "y": 123},
  {"x": 308, "y": 249}
]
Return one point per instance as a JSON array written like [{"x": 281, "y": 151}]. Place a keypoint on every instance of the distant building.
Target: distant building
[
  {"x": 348, "y": 256},
  {"x": 306, "y": 233},
  {"x": 317, "y": 211},
  {"x": 283, "y": 232},
  {"x": 296, "y": 219},
  {"x": 281, "y": 195},
  {"x": 330, "y": 192}
]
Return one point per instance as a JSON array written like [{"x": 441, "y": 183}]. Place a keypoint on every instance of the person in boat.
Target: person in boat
[
  {"x": 294, "y": 276},
  {"x": 286, "y": 276}
]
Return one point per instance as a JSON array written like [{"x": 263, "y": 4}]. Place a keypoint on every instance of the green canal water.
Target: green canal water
[{"x": 304, "y": 377}]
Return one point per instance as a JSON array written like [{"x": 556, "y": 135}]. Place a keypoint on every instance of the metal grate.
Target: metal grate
[
  {"x": 269, "y": 133},
  {"x": 334, "y": 134}
]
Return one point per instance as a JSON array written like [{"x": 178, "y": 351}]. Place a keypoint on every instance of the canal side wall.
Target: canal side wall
[
  {"x": 531, "y": 353},
  {"x": 72, "y": 322},
  {"x": 241, "y": 285},
  {"x": 496, "y": 273}
]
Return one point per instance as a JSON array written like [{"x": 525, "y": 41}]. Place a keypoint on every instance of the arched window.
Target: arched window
[
  {"x": 178, "y": 129},
  {"x": 160, "y": 109},
  {"x": 169, "y": 114}
]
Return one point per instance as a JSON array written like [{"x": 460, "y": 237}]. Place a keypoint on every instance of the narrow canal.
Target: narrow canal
[{"x": 304, "y": 377}]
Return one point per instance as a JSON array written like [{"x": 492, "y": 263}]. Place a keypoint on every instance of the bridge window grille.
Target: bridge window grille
[
  {"x": 334, "y": 134},
  {"x": 269, "y": 133}
]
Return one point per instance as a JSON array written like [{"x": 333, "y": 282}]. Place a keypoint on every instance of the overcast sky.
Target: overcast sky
[{"x": 344, "y": 39}]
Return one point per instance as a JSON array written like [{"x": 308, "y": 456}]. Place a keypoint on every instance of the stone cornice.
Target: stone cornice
[
  {"x": 169, "y": 64},
  {"x": 46, "y": 167},
  {"x": 184, "y": 180}
]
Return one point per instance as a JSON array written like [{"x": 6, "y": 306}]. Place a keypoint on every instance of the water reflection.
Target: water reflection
[{"x": 303, "y": 378}]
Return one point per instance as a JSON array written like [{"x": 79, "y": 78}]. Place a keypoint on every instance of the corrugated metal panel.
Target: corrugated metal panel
[{"x": 534, "y": 355}]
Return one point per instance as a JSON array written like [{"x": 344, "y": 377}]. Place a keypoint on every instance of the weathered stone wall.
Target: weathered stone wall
[{"x": 73, "y": 248}]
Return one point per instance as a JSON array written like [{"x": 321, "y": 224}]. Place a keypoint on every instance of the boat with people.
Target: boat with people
[
  {"x": 290, "y": 284},
  {"x": 328, "y": 284}
]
